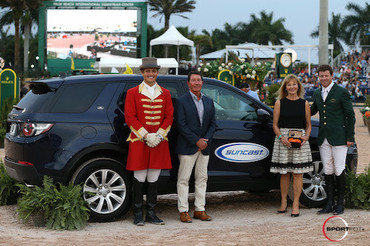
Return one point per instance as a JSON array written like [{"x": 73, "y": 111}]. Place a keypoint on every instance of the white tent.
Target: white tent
[
  {"x": 172, "y": 37},
  {"x": 254, "y": 51},
  {"x": 119, "y": 64}
]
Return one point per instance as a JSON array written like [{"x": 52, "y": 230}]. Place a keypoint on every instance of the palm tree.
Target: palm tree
[
  {"x": 336, "y": 33},
  {"x": 264, "y": 30},
  {"x": 198, "y": 41},
  {"x": 230, "y": 35},
  {"x": 6, "y": 46},
  {"x": 357, "y": 24},
  {"x": 167, "y": 8},
  {"x": 18, "y": 8}
]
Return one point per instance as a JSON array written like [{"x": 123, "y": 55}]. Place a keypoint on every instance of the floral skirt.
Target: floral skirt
[{"x": 293, "y": 160}]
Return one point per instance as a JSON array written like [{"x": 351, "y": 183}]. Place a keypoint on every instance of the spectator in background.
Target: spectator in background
[
  {"x": 363, "y": 66},
  {"x": 245, "y": 87}
]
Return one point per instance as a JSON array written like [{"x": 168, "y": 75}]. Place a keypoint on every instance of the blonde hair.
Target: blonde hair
[{"x": 282, "y": 92}]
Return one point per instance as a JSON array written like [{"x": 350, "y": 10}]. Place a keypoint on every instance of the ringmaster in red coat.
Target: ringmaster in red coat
[{"x": 149, "y": 114}]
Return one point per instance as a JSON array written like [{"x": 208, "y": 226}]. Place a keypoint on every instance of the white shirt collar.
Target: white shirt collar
[
  {"x": 151, "y": 89},
  {"x": 194, "y": 96},
  {"x": 328, "y": 88}
]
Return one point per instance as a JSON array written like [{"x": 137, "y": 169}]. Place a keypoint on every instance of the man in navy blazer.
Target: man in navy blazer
[{"x": 196, "y": 123}]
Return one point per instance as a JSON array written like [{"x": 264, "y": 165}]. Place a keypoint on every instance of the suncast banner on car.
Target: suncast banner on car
[{"x": 242, "y": 152}]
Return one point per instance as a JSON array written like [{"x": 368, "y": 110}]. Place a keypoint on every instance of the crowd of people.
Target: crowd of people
[{"x": 353, "y": 75}]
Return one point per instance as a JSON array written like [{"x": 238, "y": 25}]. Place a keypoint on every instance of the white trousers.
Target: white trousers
[
  {"x": 151, "y": 175},
  {"x": 187, "y": 163},
  {"x": 333, "y": 158}
]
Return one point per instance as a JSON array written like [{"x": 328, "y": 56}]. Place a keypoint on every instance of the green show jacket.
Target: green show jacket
[{"x": 337, "y": 118}]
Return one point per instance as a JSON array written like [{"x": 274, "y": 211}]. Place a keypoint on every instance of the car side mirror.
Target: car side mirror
[{"x": 263, "y": 116}]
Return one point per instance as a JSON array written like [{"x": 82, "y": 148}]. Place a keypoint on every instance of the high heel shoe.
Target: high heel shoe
[
  {"x": 295, "y": 215},
  {"x": 282, "y": 211}
]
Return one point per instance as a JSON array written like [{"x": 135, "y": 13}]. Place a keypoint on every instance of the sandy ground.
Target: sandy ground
[{"x": 240, "y": 218}]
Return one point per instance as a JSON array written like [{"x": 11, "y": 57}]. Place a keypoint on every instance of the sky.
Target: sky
[{"x": 301, "y": 16}]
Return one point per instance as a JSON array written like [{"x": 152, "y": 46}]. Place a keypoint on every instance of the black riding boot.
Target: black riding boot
[
  {"x": 341, "y": 187},
  {"x": 138, "y": 203},
  {"x": 329, "y": 183},
  {"x": 151, "y": 199}
]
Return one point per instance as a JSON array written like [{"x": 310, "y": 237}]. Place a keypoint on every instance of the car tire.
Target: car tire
[
  {"x": 313, "y": 192},
  {"x": 106, "y": 187}
]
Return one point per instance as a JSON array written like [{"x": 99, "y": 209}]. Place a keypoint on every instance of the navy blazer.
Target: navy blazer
[{"x": 188, "y": 124}]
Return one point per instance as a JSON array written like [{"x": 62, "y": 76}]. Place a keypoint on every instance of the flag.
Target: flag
[
  {"x": 72, "y": 64},
  {"x": 128, "y": 70}
]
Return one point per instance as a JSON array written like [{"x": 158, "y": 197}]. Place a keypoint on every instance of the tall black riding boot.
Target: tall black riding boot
[
  {"x": 151, "y": 199},
  {"x": 329, "y": 183},
  {"x": 341, "y": 187},
  {"x": 138, "y": 203}
]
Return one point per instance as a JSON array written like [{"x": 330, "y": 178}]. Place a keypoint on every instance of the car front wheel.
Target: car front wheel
[
  {"x": 106, "y": 188},
  {"x": 313, "y": 193}
]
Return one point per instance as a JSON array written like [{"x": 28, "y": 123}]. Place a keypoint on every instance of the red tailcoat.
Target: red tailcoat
[{"x": 148, "y": 114}]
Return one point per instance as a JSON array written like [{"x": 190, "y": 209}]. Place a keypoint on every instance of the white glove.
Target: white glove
[{"x": 153, "y": 139}]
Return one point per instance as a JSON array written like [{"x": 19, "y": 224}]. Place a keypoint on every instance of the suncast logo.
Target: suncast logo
[{"x": 242, "y": 152}]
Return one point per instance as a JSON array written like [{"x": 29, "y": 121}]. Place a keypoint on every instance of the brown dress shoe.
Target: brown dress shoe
[
  {"x": 185, "y": 217},
  {"x": 201, "y": 215}
]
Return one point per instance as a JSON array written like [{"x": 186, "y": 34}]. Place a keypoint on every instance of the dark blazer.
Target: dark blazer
[
  {"x": 188, "y": 124},
  {"x": 337, "y": 118}
]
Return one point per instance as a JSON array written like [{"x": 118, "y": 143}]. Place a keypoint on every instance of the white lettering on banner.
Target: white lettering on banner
[{"x": 242, "y": 152}]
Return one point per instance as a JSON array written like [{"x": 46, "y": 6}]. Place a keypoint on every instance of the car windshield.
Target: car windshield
[{"x": 230, "y": 105}]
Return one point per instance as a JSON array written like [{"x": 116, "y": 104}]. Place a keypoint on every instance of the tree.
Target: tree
[
  {"x": 29, "y": 17},
  {"x": 198, "y": 41},
  {"x": 6, "y": 47},
  {"x": 336, "y": 33},
  {"x": 357, "y": 24},
  {"x": 18, "y": 9},
  {"x": 264, "y": 30},
  {"x": 230, "y": 35},
  {"x": 166, "y": 8}
]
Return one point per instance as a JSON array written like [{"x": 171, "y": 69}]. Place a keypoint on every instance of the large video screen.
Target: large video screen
[{"x": 91, "y": 33}]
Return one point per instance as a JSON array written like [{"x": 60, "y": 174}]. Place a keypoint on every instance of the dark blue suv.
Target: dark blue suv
[{"x": 73, "y": 130}]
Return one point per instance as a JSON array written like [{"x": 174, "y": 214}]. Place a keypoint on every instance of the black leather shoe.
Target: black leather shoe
[
  {"x": 326, "y": 210},
  {"x": 151, "y": 217},
  {"x": 294, "y": 215},
  {"x": 138, "y": 217}
]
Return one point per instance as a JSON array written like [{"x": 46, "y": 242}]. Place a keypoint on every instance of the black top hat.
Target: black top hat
[{"x": 149, "y": 62}]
